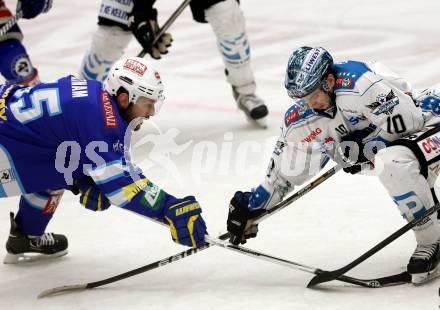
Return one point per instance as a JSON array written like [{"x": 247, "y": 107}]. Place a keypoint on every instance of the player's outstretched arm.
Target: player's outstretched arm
[{"x": 111, "y": 184}]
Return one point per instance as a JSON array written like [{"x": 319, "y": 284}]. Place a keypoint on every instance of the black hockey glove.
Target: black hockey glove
[
  {"x": 351, "y": 160},
  {"x": 145, "y": 28},
  {"x": 33, "y": 8},
  {"x": 240, "y": 219}
]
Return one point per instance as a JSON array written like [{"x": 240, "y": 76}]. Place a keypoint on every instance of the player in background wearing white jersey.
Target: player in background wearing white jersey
[
  {"x": 118, "y": 21},
  {"x": 15, "y": 65},
  {"x": 365, "y": 117}
]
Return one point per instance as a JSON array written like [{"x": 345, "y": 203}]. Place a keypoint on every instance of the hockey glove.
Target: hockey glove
[
  {"x": 186, "y": 223},
  {"x": 145, "y": 29},
  {"x": 240, "y": 219},
  {"x": 91, "y": 196},
  {"x": 33, "y": 8}
]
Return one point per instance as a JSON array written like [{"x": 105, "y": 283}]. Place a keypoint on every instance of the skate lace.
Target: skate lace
[
  {"x": 46, "y": 239},
  {"x": 425, "y": 251}
]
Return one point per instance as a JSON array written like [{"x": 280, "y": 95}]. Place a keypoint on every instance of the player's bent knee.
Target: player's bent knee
[{"x": 395, "y": 161}]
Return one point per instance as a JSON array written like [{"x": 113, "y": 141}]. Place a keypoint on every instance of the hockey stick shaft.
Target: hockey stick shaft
[
  {"x": 332, "y": 275},
  {"x": 167, "y": 25},
  {"x": 10, "y": 23},
  {"x": 281, "y": 205},
  {"x": 370, "y": 283},
  {"x": 189, "y": 252}
]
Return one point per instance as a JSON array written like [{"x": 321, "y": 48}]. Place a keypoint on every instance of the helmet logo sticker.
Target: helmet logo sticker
[
  {"x": 309, "y": 63},
  {"x": 135, "y": 67}
]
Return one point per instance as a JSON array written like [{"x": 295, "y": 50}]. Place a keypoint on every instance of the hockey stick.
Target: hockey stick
[
  {"x": 10, "y": 23},
  {"x": 189, "y": 252},
  {"x": 332, "y": 275},
  {"x": 401, "y": 278},
  {"x": 167, "y": 25}
]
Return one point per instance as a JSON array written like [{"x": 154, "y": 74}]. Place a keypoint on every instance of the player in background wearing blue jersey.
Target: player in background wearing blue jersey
[
  {"x": 367, "y": 107},
  {"x": 68, "y": 134},
  {"x": 15, "y": 64},
  {"x": 119, "y": 21}
]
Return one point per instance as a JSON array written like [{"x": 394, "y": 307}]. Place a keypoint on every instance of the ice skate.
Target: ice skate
[
  {"x": 32, "y": 248},
  {"x": 254, "y": 107},
  {"x": 424, "y": 263}
]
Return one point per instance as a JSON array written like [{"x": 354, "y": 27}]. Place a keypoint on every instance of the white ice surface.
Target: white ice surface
[{"x": 327, "y": 228}]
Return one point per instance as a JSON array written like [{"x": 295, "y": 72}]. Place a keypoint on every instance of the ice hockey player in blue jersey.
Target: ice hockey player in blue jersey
[
  {"x": 347, "y": 112},
  {"x": 66, "y": 131},
  {"x": 15, "y": 64},
  {"x": 118, "y": 21}
]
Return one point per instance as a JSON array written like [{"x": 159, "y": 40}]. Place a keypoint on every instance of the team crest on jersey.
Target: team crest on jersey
[
  {"x": 135, "y": 67},
  {"x": 110, "y": 120},
  {"x": 384, "y": 104},
  {"x": 344, "y": 82}
]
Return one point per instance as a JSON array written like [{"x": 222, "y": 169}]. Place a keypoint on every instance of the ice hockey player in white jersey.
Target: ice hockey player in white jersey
[
  {"x": 365, "y": 117},
  {"x": 120, "y": 20}
]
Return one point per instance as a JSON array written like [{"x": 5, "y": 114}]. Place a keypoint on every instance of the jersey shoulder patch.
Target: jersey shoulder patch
[
  {"x": 298, "y": 113},
  {"x": 347, "y": 74}
]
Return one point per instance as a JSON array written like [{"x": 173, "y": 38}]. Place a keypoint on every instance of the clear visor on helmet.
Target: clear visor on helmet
[{"x": 156, "y": 104}]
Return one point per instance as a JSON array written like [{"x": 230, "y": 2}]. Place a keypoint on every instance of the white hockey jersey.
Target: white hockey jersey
[{"x": 368, "y": 97}]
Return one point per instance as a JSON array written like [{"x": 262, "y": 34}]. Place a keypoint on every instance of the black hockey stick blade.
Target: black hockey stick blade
[
  {"x": 396, "y": 279},
  {"x": 90, "y": 285},
  {"x": 332, "y": 275}
]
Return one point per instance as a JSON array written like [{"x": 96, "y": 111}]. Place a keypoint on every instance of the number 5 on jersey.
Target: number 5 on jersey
[{"x": 45, "y": 96}]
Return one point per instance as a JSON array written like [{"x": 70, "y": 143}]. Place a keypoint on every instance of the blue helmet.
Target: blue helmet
[{"x": 306, "y": 69}]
